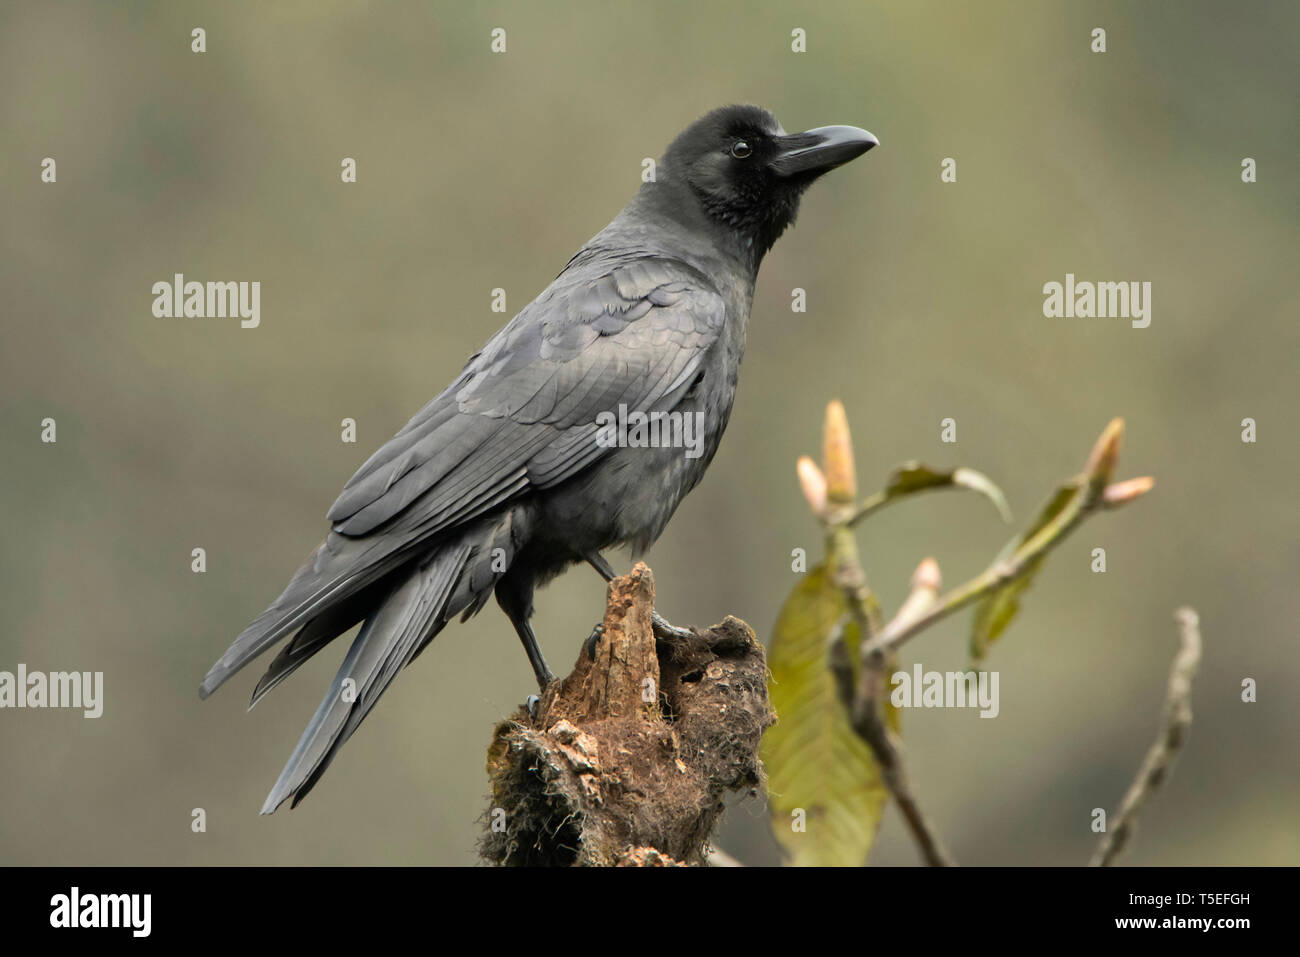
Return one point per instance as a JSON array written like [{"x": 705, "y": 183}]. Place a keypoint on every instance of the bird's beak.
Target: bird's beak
[{"x": 817, "y": 151}]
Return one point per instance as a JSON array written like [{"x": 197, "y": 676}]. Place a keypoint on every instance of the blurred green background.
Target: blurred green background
[{"x": 479, "y": 170}]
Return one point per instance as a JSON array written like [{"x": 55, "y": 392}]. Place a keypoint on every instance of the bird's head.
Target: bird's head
[{"x": 746, "y": 174}]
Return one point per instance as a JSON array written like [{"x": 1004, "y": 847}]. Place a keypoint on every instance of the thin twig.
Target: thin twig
[
  {"x": 871, "y": 727},
  {"x": 1164, "y": 752},
  {"x": 832, "y": 496},
  {"x": 868, "y": 718},
  {"x": 1092, "y": 492},
  {"x": 841, "y": 664},
  {"x": 876, "y": 502},
  {"x": 865, "y": 703}
]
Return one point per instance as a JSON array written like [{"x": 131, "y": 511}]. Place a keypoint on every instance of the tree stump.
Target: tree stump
[{"x": 629, "y": 758}]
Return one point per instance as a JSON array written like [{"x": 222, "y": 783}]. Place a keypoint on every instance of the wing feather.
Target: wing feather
[{"x": 520, "y": 416}]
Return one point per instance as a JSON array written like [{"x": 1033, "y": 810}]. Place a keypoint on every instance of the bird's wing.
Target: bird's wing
[
  {"x": 524, "y": 411},
  {"x": 521, "y": 415}
]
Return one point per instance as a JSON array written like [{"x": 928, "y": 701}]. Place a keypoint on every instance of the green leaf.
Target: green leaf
[
  {"x": 912, "y": 477},
  {"x": 979, "y": 482},
  {"x": 814, "y": 760},
  {"x": 996, "y": 611}
]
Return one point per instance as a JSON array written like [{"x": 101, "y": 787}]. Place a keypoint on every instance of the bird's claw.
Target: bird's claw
[
  {"x": 593, "y": 640},
  {"x": 667, "y": 631}
]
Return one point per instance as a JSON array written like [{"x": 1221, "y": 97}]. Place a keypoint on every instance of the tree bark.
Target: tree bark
[{"x": 629, "y": 758}]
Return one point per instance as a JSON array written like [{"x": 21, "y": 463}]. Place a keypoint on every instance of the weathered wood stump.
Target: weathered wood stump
[{"x": 629, "y": 758}]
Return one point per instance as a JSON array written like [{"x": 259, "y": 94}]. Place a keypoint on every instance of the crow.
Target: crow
[{"x": 509, "y": 475}]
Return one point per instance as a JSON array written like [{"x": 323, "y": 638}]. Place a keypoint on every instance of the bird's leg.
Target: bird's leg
[
  {"x": 518, "y": 606},
  {"x": 663, "y": 628},
  {"x": 603, "y": 568},
  {"x": 526, "y": 635}
]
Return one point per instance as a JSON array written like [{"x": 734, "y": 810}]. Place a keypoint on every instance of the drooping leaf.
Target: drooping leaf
[
  {"x": 979, "y": 482},
  {"x": 995, "y": 612},
  {"x": 814, "y": 760},
  {"x": 912, "y": 477}
]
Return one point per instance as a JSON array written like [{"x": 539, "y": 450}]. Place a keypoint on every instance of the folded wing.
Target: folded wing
[{"x": 520, "y": 416}]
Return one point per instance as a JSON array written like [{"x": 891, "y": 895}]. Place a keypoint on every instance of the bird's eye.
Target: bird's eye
[{"x": 740, "y": 149}]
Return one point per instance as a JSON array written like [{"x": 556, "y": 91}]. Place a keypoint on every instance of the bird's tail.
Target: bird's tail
[
  {"x": 406, "y": 619},
  {"x": 403, "y": 607},
  {"x": 335, "y": 589}
]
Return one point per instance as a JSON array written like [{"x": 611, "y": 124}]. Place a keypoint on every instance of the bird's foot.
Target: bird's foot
[
  {"x": 544, "y": 678},
  {"x": 665, "y": 630},
  {"x": 593, "y": 640}
]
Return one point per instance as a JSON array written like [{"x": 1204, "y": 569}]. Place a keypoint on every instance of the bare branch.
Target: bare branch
[
  {"x": 1173, "y": 734},
  {"x": 870, "y": 725},
  {"x": 865, "y": 704}
]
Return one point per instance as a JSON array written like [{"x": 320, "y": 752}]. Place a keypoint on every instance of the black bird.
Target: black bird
[{"x": 505, "y": 479}]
